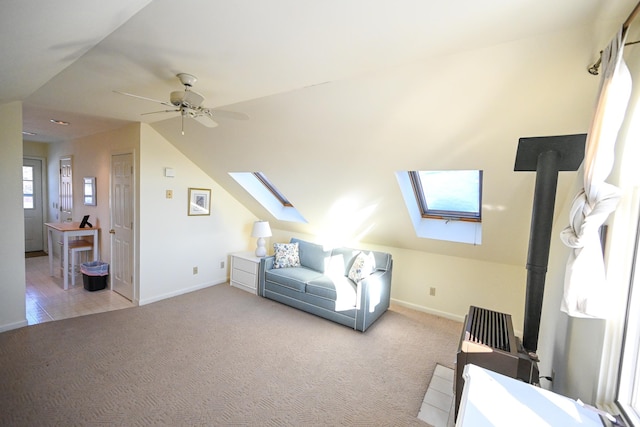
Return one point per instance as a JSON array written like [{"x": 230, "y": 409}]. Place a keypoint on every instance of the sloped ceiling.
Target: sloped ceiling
[{"x": 341, "y": 94}]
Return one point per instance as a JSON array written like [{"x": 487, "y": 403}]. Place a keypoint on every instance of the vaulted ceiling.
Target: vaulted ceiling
[{"x": 341, "y": 94}]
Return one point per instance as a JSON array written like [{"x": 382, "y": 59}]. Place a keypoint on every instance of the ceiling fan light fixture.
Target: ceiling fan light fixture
[{"x": 187, "y": 98}]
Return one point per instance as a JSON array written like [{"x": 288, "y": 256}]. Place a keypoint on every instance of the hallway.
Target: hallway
[{"x": 47, "y": 301}]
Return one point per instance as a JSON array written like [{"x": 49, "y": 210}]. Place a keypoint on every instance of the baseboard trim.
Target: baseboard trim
[
  {"x": 15, "y": 325},
  {"x": 438, "y": 313},
  {"x": 517, "y": 332},
  {"x": 180, "y": 292}
]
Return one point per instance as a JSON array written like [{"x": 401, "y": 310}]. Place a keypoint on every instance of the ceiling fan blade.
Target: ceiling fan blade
[
  {"x": 225, "y": 114},
  {"x": 145, "y": 98},
  {"x": 205, "y": 120},
  {"x": 161, "y": 111}
]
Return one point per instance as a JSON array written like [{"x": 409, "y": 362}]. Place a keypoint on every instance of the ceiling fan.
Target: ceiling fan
[{"x": 189, "y": 104}]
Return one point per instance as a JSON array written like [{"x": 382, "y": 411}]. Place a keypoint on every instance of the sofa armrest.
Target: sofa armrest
[
  {"x": 374, "y": 296},
  {"x": 266, "y": 264}
]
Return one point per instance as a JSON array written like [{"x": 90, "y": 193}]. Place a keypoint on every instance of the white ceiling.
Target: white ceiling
[{"x": 341, "y": 93}]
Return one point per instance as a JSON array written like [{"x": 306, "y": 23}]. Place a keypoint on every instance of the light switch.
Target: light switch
[{"x": 169, "y": 194}]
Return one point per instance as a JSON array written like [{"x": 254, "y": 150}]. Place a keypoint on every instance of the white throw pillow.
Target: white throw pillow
[{"x": 362, "y": 267}]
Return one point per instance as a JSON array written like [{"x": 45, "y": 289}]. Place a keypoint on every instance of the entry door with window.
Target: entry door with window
[
  {"x": 122, "y": 220},
  {"x": 32, "y": 204}
]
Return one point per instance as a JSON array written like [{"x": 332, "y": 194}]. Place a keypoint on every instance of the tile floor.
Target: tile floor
[
  {"x": 47, "y": 300},
  {"x": 437, "y": 406}
]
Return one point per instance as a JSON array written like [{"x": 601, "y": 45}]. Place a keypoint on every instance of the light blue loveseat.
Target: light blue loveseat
[{"x": 320, "y": 284}]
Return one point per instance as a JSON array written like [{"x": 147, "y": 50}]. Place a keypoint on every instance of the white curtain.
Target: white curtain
[{"x": 585, "y": 292}]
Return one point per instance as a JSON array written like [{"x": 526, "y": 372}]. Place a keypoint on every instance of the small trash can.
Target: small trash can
[{"x": 94, "y": 275}]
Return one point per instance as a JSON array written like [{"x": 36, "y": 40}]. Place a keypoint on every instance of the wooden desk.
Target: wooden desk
[{"x": 69, "y": 229}]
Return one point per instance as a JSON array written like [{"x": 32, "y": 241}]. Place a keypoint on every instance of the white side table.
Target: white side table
[{"x": 244, "y": 271}]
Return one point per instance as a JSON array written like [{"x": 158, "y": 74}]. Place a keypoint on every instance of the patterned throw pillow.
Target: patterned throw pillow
[
  {"x": 286, "y": 255},
  {"x": 363, "y": 266}
]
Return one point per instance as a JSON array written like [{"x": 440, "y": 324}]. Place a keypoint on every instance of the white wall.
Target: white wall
[
  {"x": 12, "y": 264},
  {"x": 35, "y": 149},
  {"x": 91, "y": 157},
  {"x": 459, "y": 283},
  {"x": 334, "y": 149},
  {"x": 171, "y": 242}
]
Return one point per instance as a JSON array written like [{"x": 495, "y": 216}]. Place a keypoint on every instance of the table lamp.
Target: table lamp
[{"x": 261, "y": 230}]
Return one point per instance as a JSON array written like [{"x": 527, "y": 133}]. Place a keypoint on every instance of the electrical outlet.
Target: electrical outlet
[
  {"x": 169, "y": 194},
  {"x": 195, "y": 270},
  {"x": 432, "y": 291}
]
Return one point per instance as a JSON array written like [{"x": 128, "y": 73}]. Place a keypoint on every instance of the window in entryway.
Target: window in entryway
[{"x": 27, "y": 187}]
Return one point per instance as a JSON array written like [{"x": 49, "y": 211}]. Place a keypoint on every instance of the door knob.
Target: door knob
[{"x": 112, "y": 231}]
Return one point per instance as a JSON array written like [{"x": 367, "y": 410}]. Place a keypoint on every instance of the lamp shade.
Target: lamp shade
[{"x": 261, "y": 229}]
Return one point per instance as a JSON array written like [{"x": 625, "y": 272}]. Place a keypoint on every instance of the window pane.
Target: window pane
[
  {"x": 27, "y": 187},
  {"x": 27, "y": 202},
  {"x": 629, "y": 376},
  {"x": 456, "y": 191},
  {"x": 27, "y": 173}
]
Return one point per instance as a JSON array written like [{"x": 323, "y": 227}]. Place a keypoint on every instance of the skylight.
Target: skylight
[
  {"x": 265, "y": 192},
  {"x": 444, "y": 205},
  {"x": 450, "y": 194}
]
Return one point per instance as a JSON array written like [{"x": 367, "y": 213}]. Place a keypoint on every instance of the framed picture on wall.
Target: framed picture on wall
[{"x": 199, "y": 201}]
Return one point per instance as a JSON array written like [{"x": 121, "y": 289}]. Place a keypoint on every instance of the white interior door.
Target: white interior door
[
  {"x": 33, "y": 204},
  {"x": 122, "y": 220}
]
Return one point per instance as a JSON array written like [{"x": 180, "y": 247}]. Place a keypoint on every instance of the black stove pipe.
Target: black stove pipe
[
  {"x": 544, "y": 199},
  {"x": 547, "y": 156}
]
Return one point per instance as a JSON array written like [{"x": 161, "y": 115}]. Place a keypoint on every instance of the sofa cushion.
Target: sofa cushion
[
  {"x": 286, "y": 255},
  {"x": 362, "y": 266},
  {"x": 337, "y": 288},
  {"x": 295, "y": 278},
  {"x": 323, "y": 287},
  {"x": 312, "y": 255}
]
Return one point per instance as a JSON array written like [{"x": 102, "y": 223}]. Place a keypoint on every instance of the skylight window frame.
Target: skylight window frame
[
  {"x": 450, "y": 215},
  {"x": 280, "y": 207},
  {"x": 272, "y": 189}
]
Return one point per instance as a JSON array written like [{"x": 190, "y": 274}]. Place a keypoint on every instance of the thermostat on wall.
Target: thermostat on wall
[{"x": 169, "y": 172}]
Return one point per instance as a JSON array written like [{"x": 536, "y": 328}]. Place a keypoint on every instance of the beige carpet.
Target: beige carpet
[{"x": 221, "y": 356}]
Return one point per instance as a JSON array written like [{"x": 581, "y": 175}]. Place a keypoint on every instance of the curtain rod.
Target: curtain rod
[
  {"x": 594, "y": 69},
  {"x": 632, "y": 16}
]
